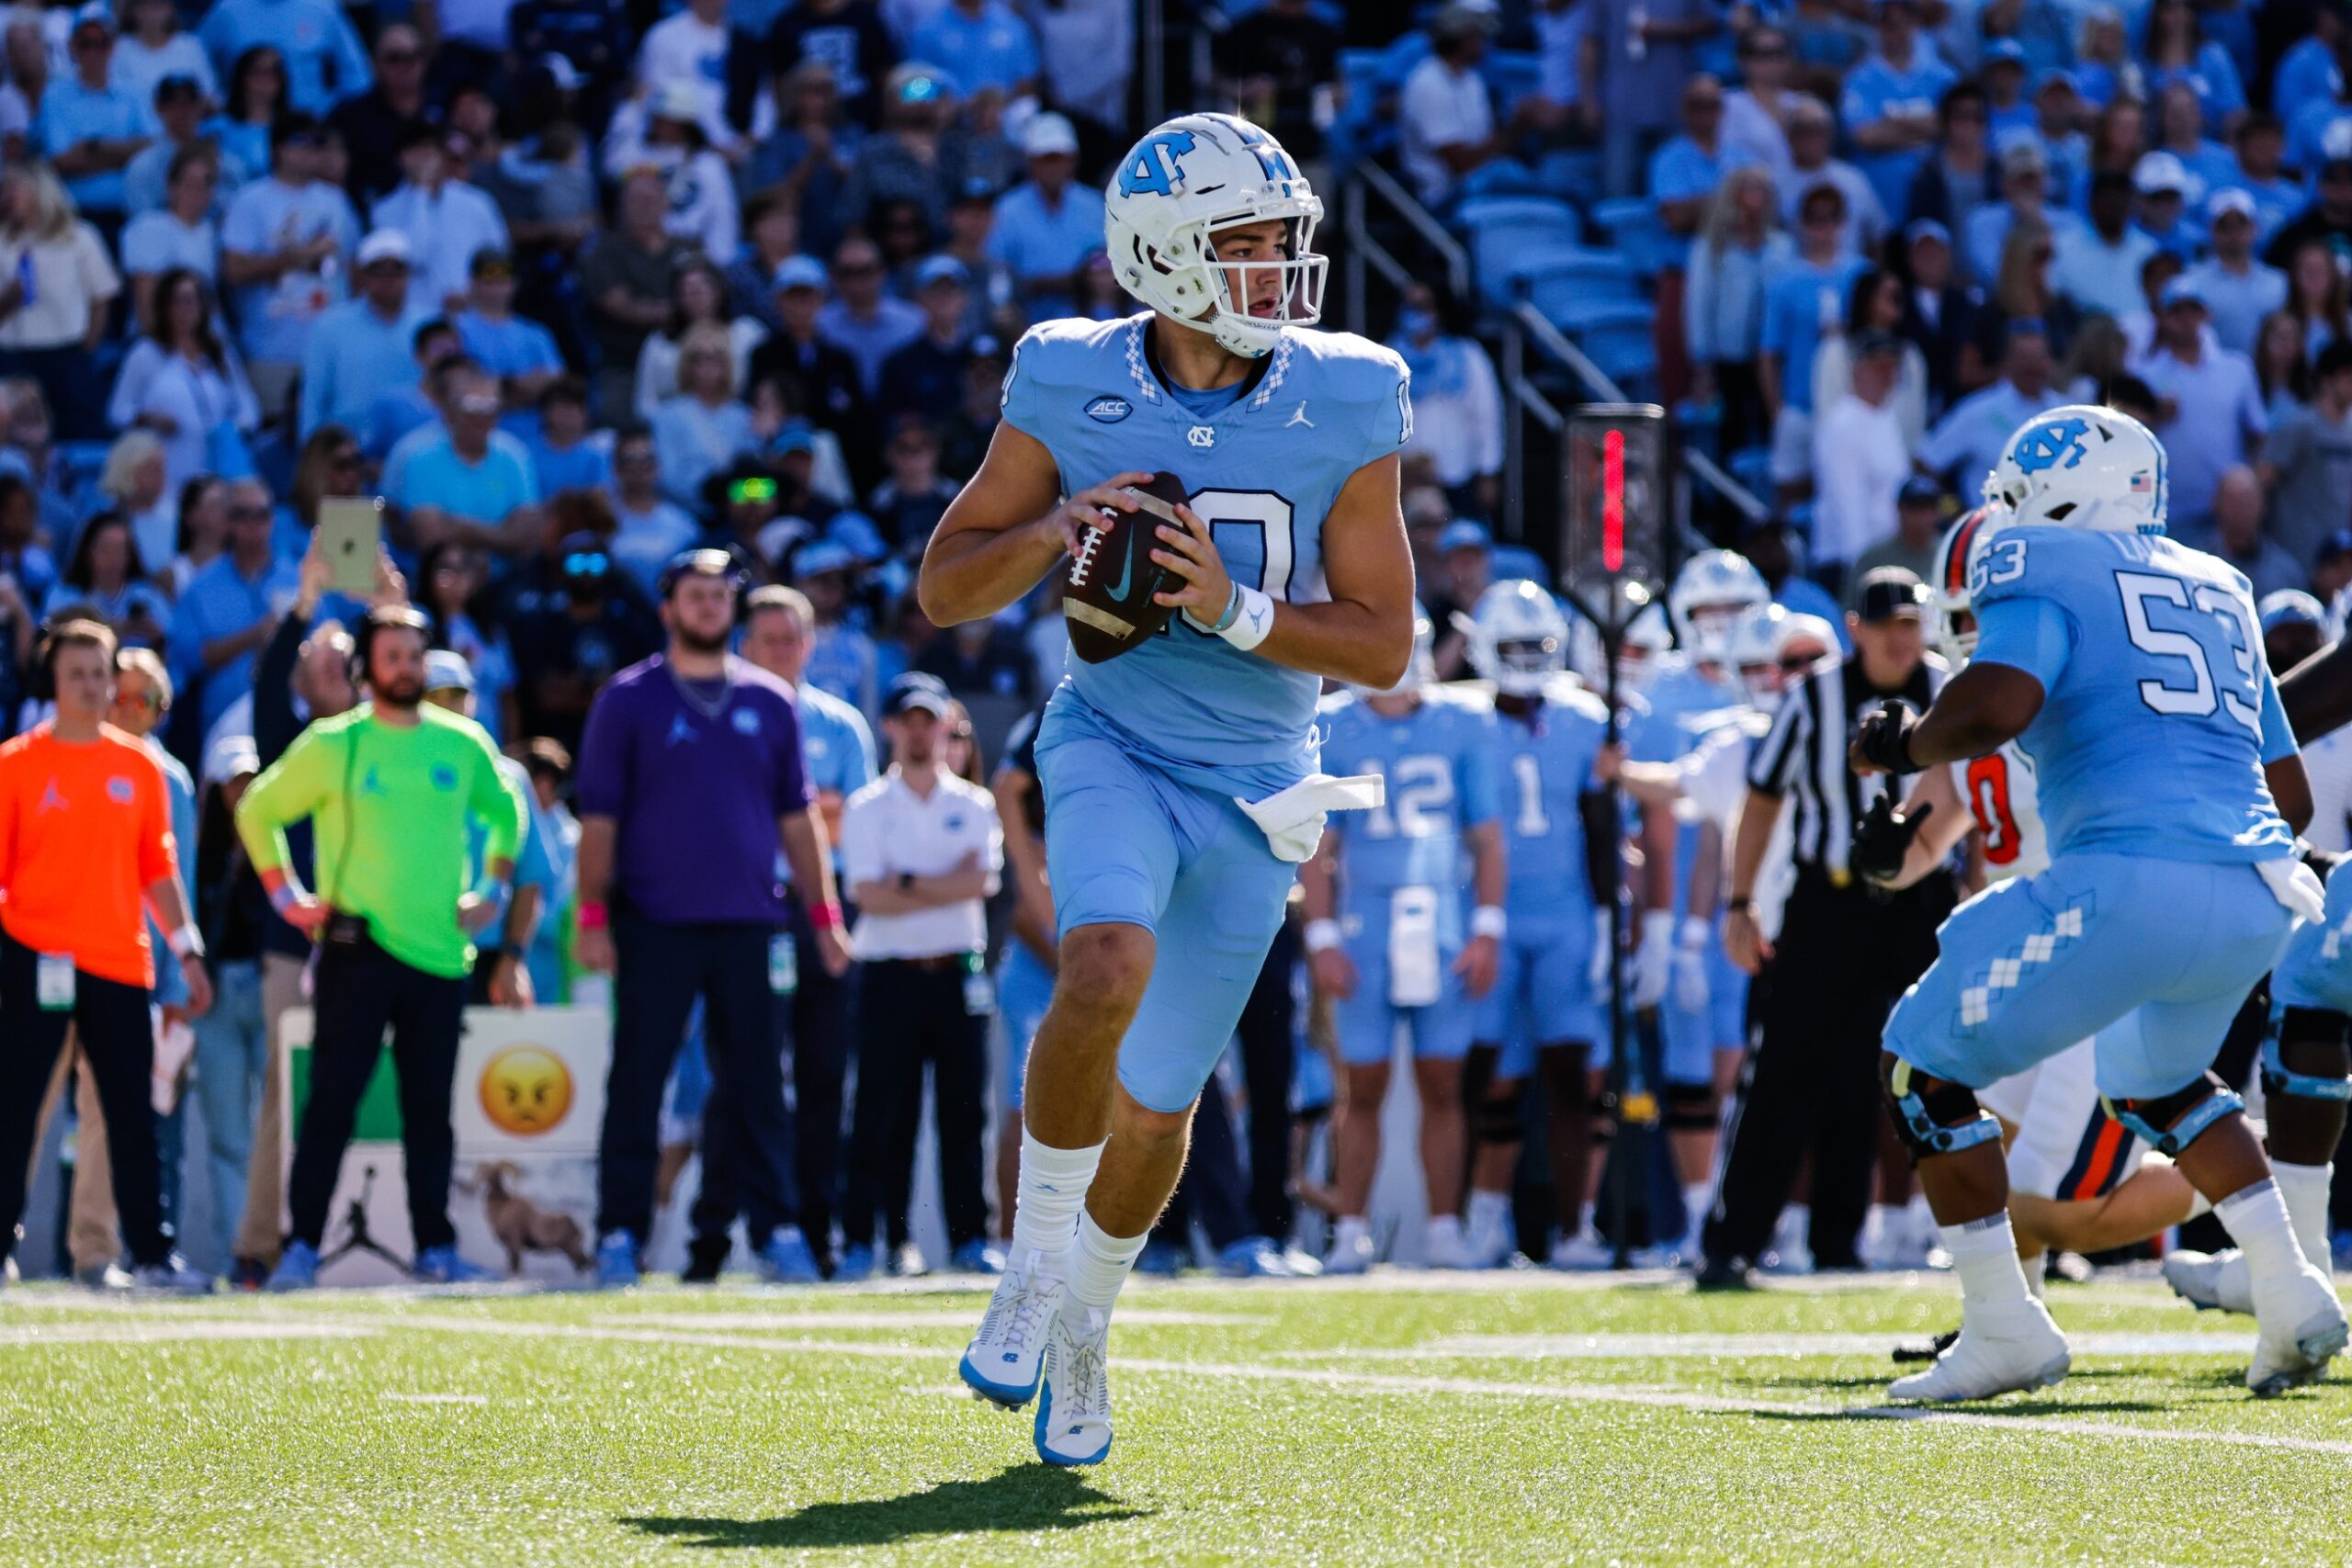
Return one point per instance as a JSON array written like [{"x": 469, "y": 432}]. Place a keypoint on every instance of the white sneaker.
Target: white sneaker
[
  {"x": 1789, "y": 1254},
  {"x": 1074, "y": 1416},
  {"x": 2023, "y": 1350},
  {"x": 1351, "y": 1253},
  {"x": 1656, "y": 1255},
  {"x": 1889, "y": 1243},
  {"x": 2302, "y": 1324},
  {"x": 1581, "y": 1253},
  {"x": 1488, "y": 1241},
  {"x": 1003, "y": 1361},
  {"x": 2210, "y": 1279},
  {"x": 1441, "y": 1245},
  {"x": 173, "y": 1277}
]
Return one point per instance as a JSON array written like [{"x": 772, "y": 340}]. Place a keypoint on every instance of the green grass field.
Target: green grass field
[{"x": 1405, "y": 1418}]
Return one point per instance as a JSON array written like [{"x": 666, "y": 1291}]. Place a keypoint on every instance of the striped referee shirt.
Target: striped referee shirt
[{"x": 1803, "y": 756}]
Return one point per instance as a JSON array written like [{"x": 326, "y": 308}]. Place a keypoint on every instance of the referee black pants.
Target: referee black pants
[
  {"x": 661, "y": 968},
  {"x": 1810, "y": 1082},
  {"x": 118, "y": 1051},
  {"x": 360, "y": 990},
  {"x": 911, "y": 1011}
]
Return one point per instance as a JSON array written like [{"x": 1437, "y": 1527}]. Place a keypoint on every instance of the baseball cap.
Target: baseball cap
[
  {"x": 1891, "y": 592},
  {"x": 447, "y": 671},
  {"x": 97, "y": 11},
  {"x": 675, "y": 100},
  {"x": 822, "y": 556},
  {"x": 2335, "y": 547},
  {"x": 801, "y": 272},
  {"x": 794, "y": 438},
  {"x": 976, "y": 188},
  {"x": 2227, "y": 200},
  {"x": 856, "y": 533},
  {"x": 176, "y": 86},
  {"x": 2004, "y": 51},
  {"x": 1466, "y": 535},
  {"x": 2051, "y": 76},
  {"x": 942, "y": 270},
  {"x": 490, "y": 260},
  {"x": 1049, "y": 135},
  {"x": 2183, "y": 290},
  {"x": 2024, "y": 156},
  {"x": 232, "y": 756},
  {"x": 2289, "y": 607},
  {"x": 915, "y": 690},
  {"x": 1919, "y": 491},
  {"x": 383, "y": 245},
  {"x": 1927, "y": 228},
  {"x": 2158, "y": 172}
]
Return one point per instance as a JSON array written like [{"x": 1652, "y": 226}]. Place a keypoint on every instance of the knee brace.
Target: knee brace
[
  {"x": 1499, "y": 1119},
  {"x": 2303, "y": 1023},
  {"x": 2170, "y": 1122},
  {"x": 1690, "y": 1107},
  {"x": 1933, "y": 1116}
]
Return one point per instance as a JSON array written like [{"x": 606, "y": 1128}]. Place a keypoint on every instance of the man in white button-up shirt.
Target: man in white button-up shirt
[{"x": 921, "y": 852}]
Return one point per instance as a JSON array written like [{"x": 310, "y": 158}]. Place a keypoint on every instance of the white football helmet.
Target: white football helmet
[
  {"x": 1647, "y": 641},
  {"x": 1801, "y": 628},
  {"x": 1518, "y": 637},
  {"x": 2081, "y": 466},
  {"x": 1193, "y": 175},
  {"x": 1711, "y": 593},
  {"x": 1962, "y": 543},
  {"x": 1420, "y": 671},
  {"x": 1753, "y": 650}
]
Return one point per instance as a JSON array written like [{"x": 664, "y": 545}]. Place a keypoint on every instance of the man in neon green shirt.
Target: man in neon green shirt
[{"x": 389, "y": 786}]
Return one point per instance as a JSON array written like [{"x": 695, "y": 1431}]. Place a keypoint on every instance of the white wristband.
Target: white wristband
[
  {"x": 1253, "y": 620},
  {"x": 1489, "y": 919},
  {"x": 186, "y": 944},
  {"x": 1322, "y": 935},
  {"x": 1697, "y": 931}
]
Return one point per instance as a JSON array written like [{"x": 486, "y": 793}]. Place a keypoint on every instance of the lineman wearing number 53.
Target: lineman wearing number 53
[
  {"x": 1181, "y": 779},
  {"x": 2130, "y": 670}
]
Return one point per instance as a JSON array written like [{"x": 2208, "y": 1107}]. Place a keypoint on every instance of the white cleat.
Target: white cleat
[
  {"x": 1581, "y": 1254},
  {"x": 2302, "y": 1327},
  {"x": 2211, "y": 1280},
  {"x": 1656, "y": 1255},
  {"x": 1488, "y": 1243},
  {"x": 1350, "y": 1255},
  {"x": 1004, "y": 1361},
  {"x": 2025, "y": 1350},
  {"x": 1442, "y": 1248},
  {"x": 1074, "y": 1415}
]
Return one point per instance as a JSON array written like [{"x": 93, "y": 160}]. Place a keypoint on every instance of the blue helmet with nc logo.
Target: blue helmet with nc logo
[
  {"x": 2083, "y": 467},
  {"x": 1192, "y": 176}
]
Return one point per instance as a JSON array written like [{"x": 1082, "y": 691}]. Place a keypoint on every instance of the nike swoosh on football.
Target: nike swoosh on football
[{"x": 1127, "y": 574}]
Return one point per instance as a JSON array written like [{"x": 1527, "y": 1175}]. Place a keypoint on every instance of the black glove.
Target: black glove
[
  {"x": 1882, "y": 839},
  {"x": 1883, "y": 739}
]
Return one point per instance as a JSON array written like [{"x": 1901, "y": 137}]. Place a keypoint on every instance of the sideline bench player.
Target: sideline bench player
[
  {"x": 2131, "y": 667},
  {"x": 1181, "y": 780}
]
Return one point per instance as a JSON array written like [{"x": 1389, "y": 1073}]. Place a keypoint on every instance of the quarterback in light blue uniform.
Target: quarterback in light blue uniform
[
  {"x": 1181, "y": 779},
  {"x": 2130, "y": 670}
]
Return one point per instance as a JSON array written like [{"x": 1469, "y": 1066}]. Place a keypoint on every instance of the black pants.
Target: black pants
[
  {"x": 910, "y": 1012},
  {"x": 661, "y": 968},
  {"x": 1810, "y": 1082},
  {"x": 1269, "y": 1059},
  {"x": 1211, "y": 1189},
  {"x": 118, "y": 1051},
  {"x": 360, "y": 991}
]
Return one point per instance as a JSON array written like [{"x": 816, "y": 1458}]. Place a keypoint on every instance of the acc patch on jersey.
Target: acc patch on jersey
[{"x": 1109, "y": 411}]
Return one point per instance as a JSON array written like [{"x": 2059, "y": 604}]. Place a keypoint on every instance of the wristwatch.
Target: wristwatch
[
  {"x": 1735, "y": 905},
  {"x": 906, "y": 882}
]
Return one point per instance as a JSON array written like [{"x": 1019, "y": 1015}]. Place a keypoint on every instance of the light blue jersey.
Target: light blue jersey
[
  {"x": 1262, "y": 471},
  {"x": 2161, "y": 712},
  {"x": 2316, "y": 973},
  {"x": 1546, "y": 768}
]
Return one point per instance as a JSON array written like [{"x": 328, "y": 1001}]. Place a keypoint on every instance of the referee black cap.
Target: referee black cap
[{"x": 1889, "y": 592}]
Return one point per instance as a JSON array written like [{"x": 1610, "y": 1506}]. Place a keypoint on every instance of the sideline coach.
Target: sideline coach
[
  {"x": 690, "y": 781},
  {"x": 388, "y": 786}
]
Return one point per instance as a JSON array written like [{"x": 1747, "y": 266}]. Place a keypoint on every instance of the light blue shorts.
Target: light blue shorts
[
  {"x": 1693, "y": 1038},
  {"x": 1023, "y": 988},
  {"x": 2153, "y": 957},
  {"x": 1126, "y": 843},
  {"x": 1543, "y": 993},
  {"x": 2317, "y": 971},
  {"x": 1366, "y": 1021}
]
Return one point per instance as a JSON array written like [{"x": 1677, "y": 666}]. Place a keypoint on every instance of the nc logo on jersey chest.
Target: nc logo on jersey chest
[
  {"x": 1201, "y": 435},
  {"x": 1109, "y": 411}
]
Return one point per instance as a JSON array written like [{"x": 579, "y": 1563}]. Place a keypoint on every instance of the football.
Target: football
[{"x": 1110, "y": 607}]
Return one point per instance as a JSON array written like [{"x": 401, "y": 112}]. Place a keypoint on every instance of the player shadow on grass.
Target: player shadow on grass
[{"x": 1025, "y": 1498}]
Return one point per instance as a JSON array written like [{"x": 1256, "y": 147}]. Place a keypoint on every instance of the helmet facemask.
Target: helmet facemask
[{"x": 1186, "y": 272}]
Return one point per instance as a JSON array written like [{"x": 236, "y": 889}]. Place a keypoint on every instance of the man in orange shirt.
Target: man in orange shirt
[{"x": 85, "y": 849}]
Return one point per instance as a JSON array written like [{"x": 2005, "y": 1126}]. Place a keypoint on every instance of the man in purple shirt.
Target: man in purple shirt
[{"x": 690, "y": 781}]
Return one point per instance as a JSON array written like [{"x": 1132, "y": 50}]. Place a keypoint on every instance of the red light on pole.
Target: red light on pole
[{"x": 1613, "y": 501}]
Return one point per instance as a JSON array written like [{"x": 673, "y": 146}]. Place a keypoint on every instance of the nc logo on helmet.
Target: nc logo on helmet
[
  {"x": 2058, "y": 445},
  {"x": 1154, "y": 169},
  {"x": 1109, "y": 411}
]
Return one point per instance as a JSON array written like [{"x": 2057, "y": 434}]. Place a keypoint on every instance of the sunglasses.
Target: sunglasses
[
  {"x": 587, "y": 563},
  {"x": 751, "y": 489}
]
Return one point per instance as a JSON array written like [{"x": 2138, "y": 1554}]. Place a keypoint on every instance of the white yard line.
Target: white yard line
[
  {"x": 1605, "y": 1346},
  {"x": 156, "y": 1330},
  {"x": 958, "y": 1318}
]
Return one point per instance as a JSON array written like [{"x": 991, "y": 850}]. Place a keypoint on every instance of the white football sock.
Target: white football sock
[
  {"x": 2257, "y": 1219},
  {"x": 1488, "y": 1211},
  {"x": 1444, "y": 1225},
  {"x": 1985, "y": 1255},
  {"x": 2037, "y": 1271},
  {"x": 1697, "y": 1199},
  {"x": 1100, "y": 1264},
  {"x": 2304, "y": 1188},
  {"x": 1349, "y": 1228},
  {"x": 1053, "y": 1193},
  {"x": 1584, "y": 1221}
]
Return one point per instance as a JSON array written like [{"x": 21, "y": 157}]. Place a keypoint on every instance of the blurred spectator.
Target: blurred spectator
[
  {"x": 971, "y": 224},
  {"x": 771, "y": 236},
  {"x": 628, "y": 279},
  {"x": 677, "y": 142},
  {"x": 1860, "y": 459},
  {"x": 2098, "y": 265},
  {"x": 203, "y": 533},
  {"x": 575, "y": 622},
  {"x": 1958, "y": 177},
  {"x": 231, "y": 1040},
  {"x": 983, "y": 44},
  {"x": 151, "y": 49},
  {"x": 324, "y": 63},
  {"x": 180, "y": 383},
  {"x": 2307, "y": 461},
  {"x": 2234, "y": 534},
  {"x": 398, "y": 413},
  {"x": 909, "y": 504},
  {"x": 698, "y": 298},
  {"x": 1445, "y": 124},
  {"x": 2178, "y": 51},
  {"x": 2025, "y": 199},
  {"x": 1940, "y": 315},
  {"x": 1637, "y": 53},
  {"x": 861, "y": 321},
  {"x": 179, "y": 107},
  {"x": 2261, "y": 143},
  {"x": 1088, "y": 48},
  {"x": 1756, "y": 115},
  {"x": 2239, "y": 290},
  {"x": 1967, "y": 443},
  {"x": 1802, "y": 302},
  {"x": 375, "y": 125},
  {"x": 133, "y": 482},
  {"x": 1685, "y": 171},
  {"x": 2058, "y": 128},
  {"x": 653, "y": 529},
  {"x": 1457, "y": 402},
  {"x": 89, "y": 128},
  {"x": 2317, "y": 294},
  {"x": 847, "y": 39},
  {"x": 360, "y": 350},
  {"x": 1738, "y": 250},
  {"x": 61, "y": 283},
  {"x": 106, "y": 581},
  {"x": 566, "y": 453},
  {"x": 519, "y": 352},
  {"x": 2024, "y": 290},
  {"x": 247, "y": 127},
  {"x": 2003, "y": 72},
  {"x": 964, "y": 438},
  {"x": 2104, "y": 67},
  {"x": 467, "y": 480},
  {"x": 284, "y": 241},
  {"x": 840, "y": 657},
  {"x": 1889, "y": 107},
  {"x": 1919, "y": 533},
  {"x": 447, "y": 221},
  {"x": 1046, "y": 226},
  {"x": 1278, "y": 62},
  {"x": 985, "y": 657},
  {"x": 1812, "y": 133},
  {"x": 829, "y": 388},
  {"x": 229, "y": 607},
  {"x": 688, "y": 49},
  {"x": 704, "y": 426},
  {"x": 1465, "y": 566},
  {"x": 180, "y": 234},
  {"x": 925, "y": 376},
  {"x": 2163, "y": 185},
  {"x": 2180, "y": 134},
  {"x": 2333, "y": 575},
  {"x": 909, "y": 157},
  {"x": 1875, "y": 305},
  {"x": 2213, "y": 414},
  {"x": 549, "y": 767},
  {"x": 2328, "y": 219},
  {"x": 451, "y": 579}
]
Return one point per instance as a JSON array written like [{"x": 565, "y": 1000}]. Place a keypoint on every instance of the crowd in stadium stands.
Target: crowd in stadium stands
[{"x": 576, "y": 285}]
